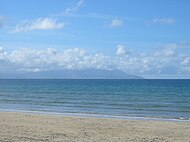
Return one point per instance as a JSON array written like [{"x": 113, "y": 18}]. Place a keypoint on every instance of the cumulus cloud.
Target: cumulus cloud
[
  {"x": 2, "y": 54},
  {"x": 26, "y": 59},
  {"x": 168, "y": 59},
  {"x": 186, "y": 61},
  {"x": 116, "y": 23},
  {"x": 167, "y": 50},
  {"x": 166, "y": 21},
  {"x": 120, "y": 50},
  {"x": 39, "y": 24},
  {"x": 46, "y": 23}
]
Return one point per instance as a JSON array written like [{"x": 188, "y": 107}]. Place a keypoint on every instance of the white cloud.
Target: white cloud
[
  {"x": 2, "y": 54},
  {"x": 73, "y": 8},
  {"x": 167, "y": 50},
  {"x": 186, "y": 61},
  {"x": 116, "y": 23},
  {"x": 168, "y": 59},
  {"x": 120, "y": 50},
  {"x": 46, "y": 23},
  {"x": 39, "y": 24},
  {"x": 167, "y": 21},
  {"x": 50, "y": 59}
]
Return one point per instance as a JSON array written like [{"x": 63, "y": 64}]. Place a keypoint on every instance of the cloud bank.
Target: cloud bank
[{"x": 165, "y": 60}]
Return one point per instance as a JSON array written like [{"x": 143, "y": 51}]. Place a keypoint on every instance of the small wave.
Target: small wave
[{"x": 95, "y": 115}]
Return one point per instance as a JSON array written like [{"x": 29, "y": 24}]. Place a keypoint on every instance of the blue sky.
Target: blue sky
[{"x": 147, "y": 38}]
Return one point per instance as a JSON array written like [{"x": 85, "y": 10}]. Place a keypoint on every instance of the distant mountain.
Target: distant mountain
[{"x": 73, "y": 74}]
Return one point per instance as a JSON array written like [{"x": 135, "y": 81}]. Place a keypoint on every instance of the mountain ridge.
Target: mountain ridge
[{"x": 72, "y": 74}]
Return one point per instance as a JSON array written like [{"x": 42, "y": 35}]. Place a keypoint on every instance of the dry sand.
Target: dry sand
[{"x": 25, "y": 127}]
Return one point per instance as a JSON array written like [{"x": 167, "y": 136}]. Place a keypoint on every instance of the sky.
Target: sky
[{"x": 147, "y": 38}]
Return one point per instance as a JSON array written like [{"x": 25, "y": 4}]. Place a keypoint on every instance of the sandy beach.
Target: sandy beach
[{"x": 24, "y": 127}]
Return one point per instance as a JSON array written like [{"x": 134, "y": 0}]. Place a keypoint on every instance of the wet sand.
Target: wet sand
[{"x": 26, "y": 127}]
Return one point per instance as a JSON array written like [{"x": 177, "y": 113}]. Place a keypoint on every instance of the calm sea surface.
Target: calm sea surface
[{"x": 125, "y": 98}]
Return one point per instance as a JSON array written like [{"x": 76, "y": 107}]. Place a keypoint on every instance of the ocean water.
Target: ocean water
[{"x": 168, "y": 99}]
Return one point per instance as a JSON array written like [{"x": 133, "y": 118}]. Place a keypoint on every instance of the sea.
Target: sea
[{"x": 143, "y": 98}]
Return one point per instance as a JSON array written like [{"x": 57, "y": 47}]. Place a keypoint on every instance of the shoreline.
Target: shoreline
[
  {"x": 18, "y": 126},
  {"x": 86, "y": 115}
]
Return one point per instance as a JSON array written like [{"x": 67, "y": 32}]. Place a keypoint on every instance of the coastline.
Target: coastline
[
  {"x": 86, "y": 115},
  {"x": 25, "y": 126}
]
